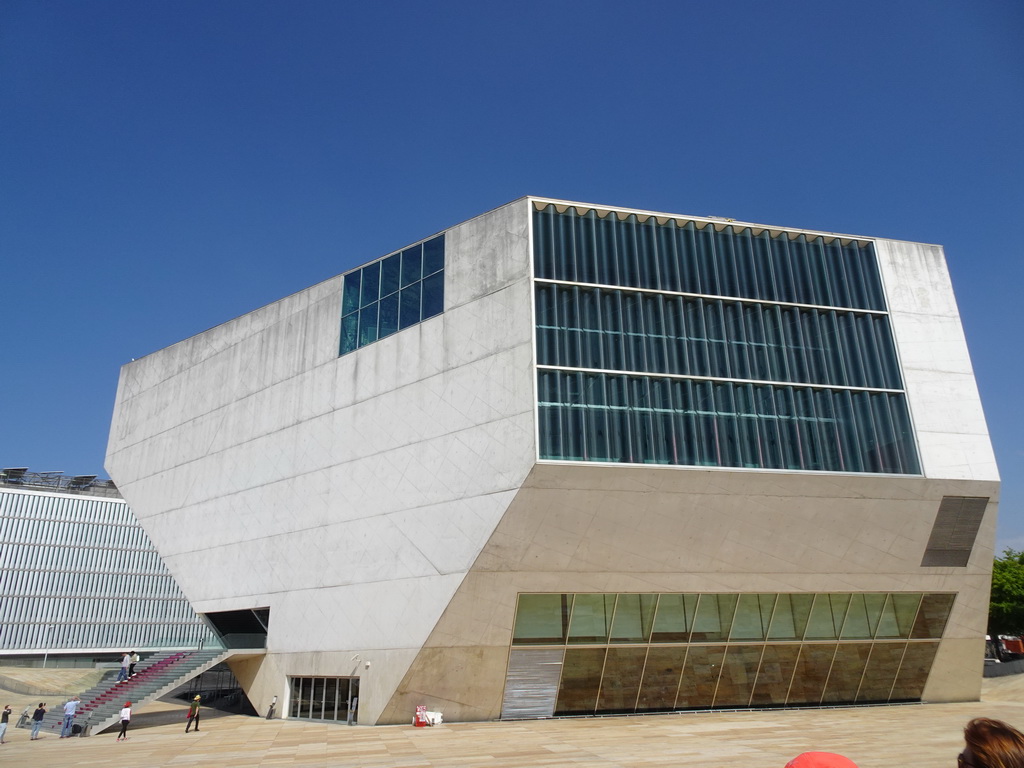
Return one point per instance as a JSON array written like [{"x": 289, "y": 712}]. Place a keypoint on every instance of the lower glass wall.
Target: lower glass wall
[
  {"x": 662, "y": 652},
  {"x": 324, "y": 698}
]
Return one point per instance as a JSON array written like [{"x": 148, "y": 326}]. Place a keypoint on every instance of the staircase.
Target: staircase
[{"x": 100, "y": 706}]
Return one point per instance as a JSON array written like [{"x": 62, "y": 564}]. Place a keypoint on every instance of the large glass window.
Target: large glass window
[
  {"x": 696, "y": 344},
  {"x": 392, "y": 294},
  {"x": 324, "y": 698},
  {"x": 648, "y": 652}
]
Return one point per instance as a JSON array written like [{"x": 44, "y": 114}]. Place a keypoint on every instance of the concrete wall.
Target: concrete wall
[
  {"x": 666, "y": 529},
  {"x": 349, "y": 494},
  {"x": 943, "y": 396}
]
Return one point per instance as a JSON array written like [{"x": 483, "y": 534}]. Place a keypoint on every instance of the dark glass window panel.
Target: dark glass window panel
[
  {"x": 774, "y": 676},
  {"x": 316, "y": 701},
  {"x": 565, "y": 245},
  {"x": 634, "y": 618},
  {"x": 620, "y": 684},
  {"x": 591, "y": 618},
  {"x": 725, "y": 253},
  {"x": 586, "y": 248},
  {"x": 542, "y": 243},
  {"x": 581, "y": 679},
  {"x": 629, "y": 269},
  {"x": 433, "y": 255},
  {"x": 739, "y": 671},
  {"x": 881, "y": 671},
  {"x": 350, "y": 293},
  {"x": 412, "y": 265},
  {"x": 811, "y": 673},
  {"x": 689, "y": 269},
  {"x": 390, "y": 269},
  {"x": 820, "y": 287},
  {"x": 700, "y": 677},
  {"x": 847, "y": 671},
  {"x": 706, "y": 262},
  {"x": 433, "y": 295},
  {"x": 661, "y": 678},
  {"x": 714, "y": 618},
  {"x": 542, "y": 619},
  {"x": 409, "y": 306},
  {"x": 371, "y": 284},
  {"x": 349, "y": 333},
  {"x": 668, "y": 257},
  {"x": 914, "y": 670},
  {"x": 753, "y": 615},
  {"x": 674, "y": 618},
  {"x": 899, "y": 614},
  {"x": 932, "y": 616},
  {"x": 827, "y": 616},
  {"x": 647, "y": 253},
  {"x": 297, "y": 697},
  {"x": 387, "y": 320},
  {"x": 368, "y": 324},
  {"x": 330, "y": 698},
  {"x": 859, "y": 624},
  {"x": 757, "y": 352}
]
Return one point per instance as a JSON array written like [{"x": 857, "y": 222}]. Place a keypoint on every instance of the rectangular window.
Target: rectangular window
[
  {"x": 648, "y": 652},
  {"x": 708, "y": 303},
  {"x": 392, "y": 294}
]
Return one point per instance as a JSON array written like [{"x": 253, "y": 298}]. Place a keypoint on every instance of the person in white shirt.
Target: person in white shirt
[
  {"x": 126, "y": 716},
  {"x": 126, "y": 661}
]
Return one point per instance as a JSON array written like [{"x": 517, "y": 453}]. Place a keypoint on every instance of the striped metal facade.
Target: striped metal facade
[{"x": 79, "y": 574}]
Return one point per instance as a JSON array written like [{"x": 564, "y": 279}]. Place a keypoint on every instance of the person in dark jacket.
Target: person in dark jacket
[
  {"x": 193, "y": 714},
  {"x": 37, "y": 720}
]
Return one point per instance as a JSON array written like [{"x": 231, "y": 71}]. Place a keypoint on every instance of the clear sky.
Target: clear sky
[{"x": 168, "y": 166}]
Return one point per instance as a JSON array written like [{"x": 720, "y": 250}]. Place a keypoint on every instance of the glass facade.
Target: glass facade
[
  {"x": 80, "y": 574},
  {"x": 324, "y": 698},
  {"x": 392, "y": 294},
  {"x": 684, "y": 343},
  {"x": 662, "y": 652}
]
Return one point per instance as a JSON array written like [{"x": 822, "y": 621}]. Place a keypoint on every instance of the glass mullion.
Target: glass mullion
[
  {"x": 725, "y": 258},
  {"x": 543, "y": 245},
  {"x": 586, "y": 247},
  {"x": 668, "y": 257},
  {"x": 690, "y": 273},
  {"x": 567, "y": 245},
  {"x": 675, "y": 335},
  {"x": 629, "y": 270},
  {"x": 821, "y": 289},
  {"x": 704, "y": 240},
  {"x": 647, "y": 253}
]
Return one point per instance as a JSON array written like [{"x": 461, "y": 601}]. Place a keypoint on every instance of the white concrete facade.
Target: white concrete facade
[{"x": 388, "y": 505}]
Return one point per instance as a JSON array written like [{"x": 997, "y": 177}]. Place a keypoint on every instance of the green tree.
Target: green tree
[{"x": 1006, "y": 606}]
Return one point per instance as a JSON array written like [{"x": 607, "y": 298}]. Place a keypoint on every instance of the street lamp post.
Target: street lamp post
[{"x": 46, "y": 642}]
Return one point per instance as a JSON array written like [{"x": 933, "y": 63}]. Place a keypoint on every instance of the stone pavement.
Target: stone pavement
[{"x": 925, "y": 736}]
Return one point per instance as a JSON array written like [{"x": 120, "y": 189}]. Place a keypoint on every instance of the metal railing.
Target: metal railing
[{"x": 58, "y": 482}]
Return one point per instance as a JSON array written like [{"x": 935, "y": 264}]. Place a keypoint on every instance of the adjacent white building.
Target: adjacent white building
[
  {"x": 79, "y": 577},
  {"x": 566, "y": 459}
]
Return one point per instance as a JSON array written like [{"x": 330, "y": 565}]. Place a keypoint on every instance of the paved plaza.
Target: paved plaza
[{"x": 927, "y": 736}]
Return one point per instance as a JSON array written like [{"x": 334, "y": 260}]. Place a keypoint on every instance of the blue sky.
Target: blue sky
[{"x": 167, "y": 166}]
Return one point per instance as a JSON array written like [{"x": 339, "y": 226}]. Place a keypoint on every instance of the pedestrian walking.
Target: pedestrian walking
[
  {"x": 5, "y": 716},
  {"x": 132, "y": 662},
  {"x": 126, "y": 717},
  {"x": 69, "y": 717},
  {"x": 126, "y": 661},
  {"x": 193, "y": 715},
  {"x": 37, "y": 720}
]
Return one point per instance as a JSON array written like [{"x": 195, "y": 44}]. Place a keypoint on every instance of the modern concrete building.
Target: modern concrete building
[
  {"x": 80, "y": 580},
  {"x": 565, "y": 459}
]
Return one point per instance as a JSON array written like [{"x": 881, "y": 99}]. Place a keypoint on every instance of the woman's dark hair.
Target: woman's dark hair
[{"x": 994, "y": 744}]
